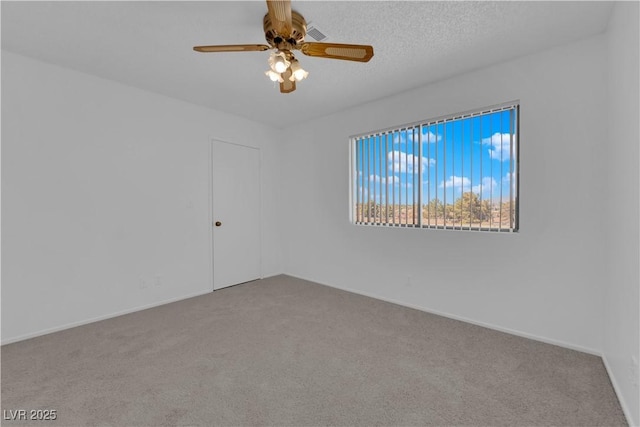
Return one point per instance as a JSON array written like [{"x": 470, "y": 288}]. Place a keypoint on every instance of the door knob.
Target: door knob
[{"x": 218, "y": 223}]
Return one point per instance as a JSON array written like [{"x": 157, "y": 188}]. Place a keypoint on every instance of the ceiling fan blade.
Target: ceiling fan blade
[
  {"x": 232, "y": 48},
  {"x": 349, "y": 52},
  {"x": 280, "y": 14},
  {"x": 287, "y": 86}
]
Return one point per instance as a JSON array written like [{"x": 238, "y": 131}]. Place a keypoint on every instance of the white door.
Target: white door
[{"x": 235, "y": 213}]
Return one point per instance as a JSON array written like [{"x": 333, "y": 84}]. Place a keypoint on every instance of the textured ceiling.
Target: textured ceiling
[{"x": 149, "y": 45}]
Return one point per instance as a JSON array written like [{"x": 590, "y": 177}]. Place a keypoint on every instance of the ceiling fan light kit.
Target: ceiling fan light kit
[
  {"x": 285, "y": 30},
  {"x": 298, "y": 73},
  {"x": 275, "y": 77},
  {"x": 278, "y": 62}
]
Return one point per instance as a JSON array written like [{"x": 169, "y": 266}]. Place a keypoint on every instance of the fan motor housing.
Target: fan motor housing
[{"x": 298, "y": 32}]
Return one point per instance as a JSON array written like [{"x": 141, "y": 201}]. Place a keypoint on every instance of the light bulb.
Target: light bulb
[
  {"x": 275, "y": 77},
  {"x": 300, "y": 74},
  {"x": 297, "y": 73},
  {"x": 278, "y": 62},
  {"x": 279, "y": 65}
]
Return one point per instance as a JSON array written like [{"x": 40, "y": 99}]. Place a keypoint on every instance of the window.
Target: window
[{"x": 458, "y": 172}]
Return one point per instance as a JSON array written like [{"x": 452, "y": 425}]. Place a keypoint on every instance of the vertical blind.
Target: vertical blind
[{"x": 458, "y": 172}]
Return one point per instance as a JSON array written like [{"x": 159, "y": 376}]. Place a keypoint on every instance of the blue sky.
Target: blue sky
[{"x": 471, "y": 154}]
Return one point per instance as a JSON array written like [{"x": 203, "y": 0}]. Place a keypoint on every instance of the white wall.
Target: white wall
[
  {"x": 546, "y": 280},
  {"x": 621, "y": 321},
  {"x": 104, "y": 185}
]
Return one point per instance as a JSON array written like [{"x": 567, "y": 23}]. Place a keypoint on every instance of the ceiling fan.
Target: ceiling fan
[{"x": 284, "y": 30}]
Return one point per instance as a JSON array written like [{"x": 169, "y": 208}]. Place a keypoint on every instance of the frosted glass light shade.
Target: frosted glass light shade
[
  {"x": 275, "y": 77},
  {"x": 278, "y": 62},
  {"x": 297, "y": 72}
]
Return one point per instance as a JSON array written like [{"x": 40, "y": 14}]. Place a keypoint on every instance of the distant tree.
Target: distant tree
[
  {"x": 469, "y": 208},
  {"x": 433, "y": 209},
  {"x": 372, "y": 211}
]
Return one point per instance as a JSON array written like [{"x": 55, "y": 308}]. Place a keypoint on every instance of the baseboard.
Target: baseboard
[
  {"x": 99, "y": 318},
  {"x": 462, "y": 319},
  {"x": 367, "y": 294},
  {"x": 616, "y": 388}
]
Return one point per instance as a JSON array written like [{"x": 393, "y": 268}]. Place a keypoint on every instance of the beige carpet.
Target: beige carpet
[{"x": 283, "y": 351}]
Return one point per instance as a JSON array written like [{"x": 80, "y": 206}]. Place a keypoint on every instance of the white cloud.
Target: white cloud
[
  {"x": 402, "y": 137},
  {"x": 500, "y": 147},
  {"x": 410, "y": 136},
  {"x": 428, "y": 136},
  {"x": 392, "y": 180},
  {"x": 457, "y": 182},
  {"x": 486, "y": 186},
  {"x": 464, "y": 184},
  {"x": 403, "y": 162}
]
